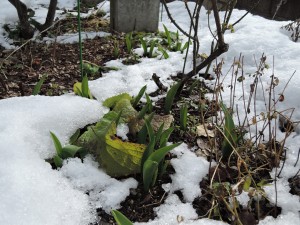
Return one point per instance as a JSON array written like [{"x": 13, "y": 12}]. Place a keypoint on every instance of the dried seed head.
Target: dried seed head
[{"x": 281, "y": 98}]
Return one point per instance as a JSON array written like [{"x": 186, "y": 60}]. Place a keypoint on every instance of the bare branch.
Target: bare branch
[{"x": 174, "y": 22}]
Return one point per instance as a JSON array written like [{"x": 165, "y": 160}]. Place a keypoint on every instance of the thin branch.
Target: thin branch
[
  {"x": 221, "y": 48},
  {"x": 249, "y": 11},
  {"x": 218, "y": 23},
  {"x": 174, "y": 22}
]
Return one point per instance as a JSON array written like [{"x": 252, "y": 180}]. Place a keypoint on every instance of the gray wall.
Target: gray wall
[{"x": 134, "y": 15}]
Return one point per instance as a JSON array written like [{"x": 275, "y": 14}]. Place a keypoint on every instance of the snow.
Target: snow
[
  {"x": 32, "y": 193},
  {"x": 73, "y": 38},
  {"x": 104, "y": 192},
  {"x": 122, "y": 131},
  {"x": 189, "y": 171}
]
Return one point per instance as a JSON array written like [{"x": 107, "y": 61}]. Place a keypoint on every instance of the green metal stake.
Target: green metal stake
[{"x": 79, "y": 36}]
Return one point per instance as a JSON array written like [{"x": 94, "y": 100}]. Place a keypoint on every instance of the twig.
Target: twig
[
  {"x": 158, "y": 82},
  {"x": 297, "y": 158},
  {"x": 174, "y": 22},
  {"x": 249, "y": 11},
  {"x": 221, "y": 48}
]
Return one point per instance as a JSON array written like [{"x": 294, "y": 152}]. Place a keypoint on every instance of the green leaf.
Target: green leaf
[
  {"x": 77, "y": 88},
  {"x": 159, "y": 154},
  {"x": 116, "y": 157},
  {"x": 128, "y": 40},
  {"x": 143, "y": 111},
  {"x": 178, "y": 46},
  {"x": 247, "y": 183},
  {"x": 186, "y": 45},
  {"x": 112, "y": 101},
  {"x": 58, "y": 161},
  {"x": 149, "y": 150},
  {"x": 118, "y": 119},
  {"x": 164, "y": 52},
  {"x": 120, "y": 218},
  {"x": 152, "y": 45},
  {"x": 144, "y": 45},
  {"x": 69, "y": 151},
  {"x": 167, "y": 32},
  {"x": 85, "y": 87},
  {"x": 150, "y": 167},
  {"x": 128, "y": 112},
  {"x": 149, "y": 170},
  {"x": 37, "y": 87},
  {"x": 165, "y": 137},
  {"x": 57, "y": 144},
  {"x": 90, "y": 69},
  {"x": 263, "y": 183},
  {"x": 142, "y": 134},
  {"x": 139, "y": 96},
  {"x": 150, "y": 130},
  {"x": 149, "y": 102},
  {"x": 231, "y": 138},
  {"x": 163, "y": 167},
  {"x": 82, "y": 89},
  {"x": 170, "y": 97},
  {"x": 74, "y": 137}
]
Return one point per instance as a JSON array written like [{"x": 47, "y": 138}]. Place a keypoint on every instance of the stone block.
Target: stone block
[{"x": 134, "y": 15}]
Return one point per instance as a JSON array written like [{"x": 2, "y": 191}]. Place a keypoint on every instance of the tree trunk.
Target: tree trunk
[
  {"x": 49, "y": 18},
  {"x": 26, "y": 30}
]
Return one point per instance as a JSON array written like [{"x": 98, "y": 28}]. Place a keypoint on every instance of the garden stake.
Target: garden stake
[{"x": 79, "y": 36}]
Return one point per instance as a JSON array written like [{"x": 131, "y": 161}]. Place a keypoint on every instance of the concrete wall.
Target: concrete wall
[{"x": 134, "y": 15}]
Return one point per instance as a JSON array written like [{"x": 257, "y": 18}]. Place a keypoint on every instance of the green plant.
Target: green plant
[
  {"x": 153, "y": 162},
  {"x": 116, "y": 157},
  {"x": 163, "y": 51},
  {"x": 170, "y": 97},
  {"x": 183, "y": 117},
  {"x": 173, "y": 41},
  {"x": 116, "y": 50},
  {"x": 120, "y": 218},
  {"x": 90, "y": 69},
  {"x": 144, "y": 46},
  {"x": 37, "y": 87},
  {"x": 149, "y": 103},
  {"x": 230, "y": 135},
  {"x": 149, "y": 53},
  {"x": 137, "y": 98},
  {"x": 151, "y": 165},
  {"x": 168, "y": 36},
  {"x": 65, "y": 152},
  {"x": 129, "y": 42},
  {"x": 142, "y": 134},
  {"x": 82, "y": 88}
]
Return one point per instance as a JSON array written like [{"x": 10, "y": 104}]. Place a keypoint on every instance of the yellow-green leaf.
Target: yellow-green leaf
[
  {"x": 120, "y": 218},
  {"x": 247, "y": 183}
]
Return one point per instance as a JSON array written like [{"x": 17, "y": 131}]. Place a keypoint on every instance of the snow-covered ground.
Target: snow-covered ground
[{"x": 31, "y": 193}]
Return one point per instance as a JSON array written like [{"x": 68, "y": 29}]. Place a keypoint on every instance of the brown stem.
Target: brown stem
[
  {"x": 159, "y": 84},
  {"x": 174, "y": 22},
  {"x": 221, "y": 48}
]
